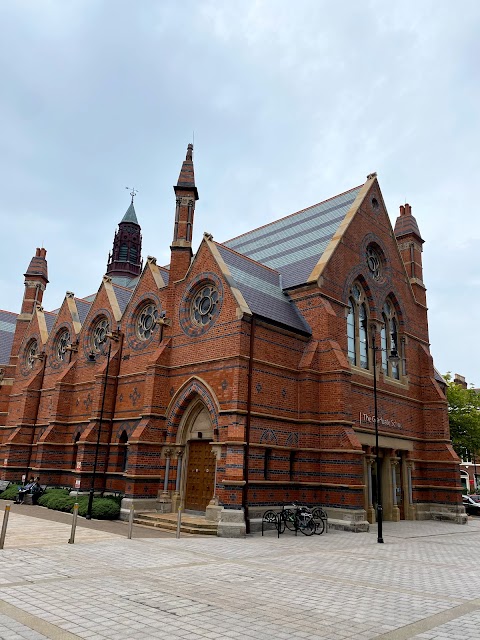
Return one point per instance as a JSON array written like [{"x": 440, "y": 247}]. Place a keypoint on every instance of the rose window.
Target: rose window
[
  {"x": 63, "y": 341},
  {"x": 374, "y": 263},
  {"x": 30, "y": 354},
  {"x": 99, "y": 334},
  {"x": 205, "y": 305},
  {"x": 147, "y": 321}
]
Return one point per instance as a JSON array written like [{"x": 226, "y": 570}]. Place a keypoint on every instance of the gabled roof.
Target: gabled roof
[
  {"x": 126, "y": 281},
  {"x": 83, "y": 307},
  {"x": 50, "y": 317},
  {"x": 262, "y": 290},
  {"x": 123, "y": 296},
  {"x": 294, "y": 245},
  {"x": 7, "y": 332}
]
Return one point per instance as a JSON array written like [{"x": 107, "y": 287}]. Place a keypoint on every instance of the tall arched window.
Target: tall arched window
[
  {"x": 357, "y": 328},
  {"x": 389, "y": 341},
  {"x": 123, "y": 451}
]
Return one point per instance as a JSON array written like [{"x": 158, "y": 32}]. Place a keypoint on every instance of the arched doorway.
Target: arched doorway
[{"x": 200, "y": 462}]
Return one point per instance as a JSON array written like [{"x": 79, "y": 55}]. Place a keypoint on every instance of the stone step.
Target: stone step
[{"x": 168, "y": 521}]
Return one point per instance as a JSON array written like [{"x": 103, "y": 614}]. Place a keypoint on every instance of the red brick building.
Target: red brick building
[{"x": 240, "y": 376}]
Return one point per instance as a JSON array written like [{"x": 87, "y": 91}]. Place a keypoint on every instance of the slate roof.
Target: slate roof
[
  {"x": 261, "y": 288},
  {"x": 7, "y": 331},
  {"x": 293, "y": 245},
  {"x": 125, "y": 281},
  {"x": 123, "y": 296},
  {"x": 130, "y": 215},
  {"x": 83, "y": 307},
  {"x": 50, "y": 317}
]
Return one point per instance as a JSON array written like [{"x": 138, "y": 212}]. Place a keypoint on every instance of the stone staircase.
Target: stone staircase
[{"x": 168, "y": 521}]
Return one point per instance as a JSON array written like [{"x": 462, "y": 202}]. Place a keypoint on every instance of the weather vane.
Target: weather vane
[{"x": 133, "y": 192}]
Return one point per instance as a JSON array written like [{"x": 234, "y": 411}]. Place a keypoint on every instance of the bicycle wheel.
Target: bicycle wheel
[
  {"x": 306, "y": 524},
  {"x": 270, "y": 518},
  {"x": 288, "y": 517},
  {"x": 320, "y": 519}
]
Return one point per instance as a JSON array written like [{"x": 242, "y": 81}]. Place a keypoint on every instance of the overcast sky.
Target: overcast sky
[{"x": 290, "y": 102}]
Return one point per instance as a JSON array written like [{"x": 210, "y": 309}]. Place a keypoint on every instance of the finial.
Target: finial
[
  {"x": 133, "y": 192},
  {"x": 189, "y": 152}
]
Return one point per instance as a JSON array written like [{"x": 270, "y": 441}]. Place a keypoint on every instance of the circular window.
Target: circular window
[
  {"x": 204, "y": 305},
  {"x": 99, "y": 335},
  {"x": 201, "y": 304},
  {"x": 61, "y": 343},
  {"x": 30, "y": 354},
  {"x": 374, "y": 263},
  {"x": 146, "y": 321}
]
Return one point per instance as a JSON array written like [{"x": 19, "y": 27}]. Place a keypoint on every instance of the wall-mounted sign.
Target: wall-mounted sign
[
  {"x": 365, "y": 418},
  {"x": 77, "y": 483}
]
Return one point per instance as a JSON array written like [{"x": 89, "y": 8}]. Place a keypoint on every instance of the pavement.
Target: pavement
[{"x": 422, "y": 583}]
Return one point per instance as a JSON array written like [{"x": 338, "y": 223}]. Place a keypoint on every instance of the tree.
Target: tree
[{"x": 464, "y": 419}]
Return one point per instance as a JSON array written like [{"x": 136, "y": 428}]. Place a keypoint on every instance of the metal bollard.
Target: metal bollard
[
  {"x": 74, "y": 523},
  {"x": 130, "y": 521},
  {"x": 4, "y": 525},
  {"x": 179, "y": 521}
]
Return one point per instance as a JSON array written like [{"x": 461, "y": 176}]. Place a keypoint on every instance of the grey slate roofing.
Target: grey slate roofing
[
  {"x": 130, "y": 215},
  {"x": 123, "y": 296},
  {"x": 260, "y": 286},
  {"x": 125, "y": 281},
  {"x": 438, "y": 376},
  {"x": 293, "y": 245},
  {"x": 83, "y": 307},
  {"x": 7, "y": 331},
  {"x": 50, "y": 317}
]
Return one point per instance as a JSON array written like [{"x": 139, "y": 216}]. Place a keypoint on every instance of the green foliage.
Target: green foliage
[
  {"x": 464, "y": 419},
  {"x": 102, "y": 508},
  {"x": 51, "y": 494},
  {"x": 60, "y": 500},
  {"x": 10, "y": 492}
]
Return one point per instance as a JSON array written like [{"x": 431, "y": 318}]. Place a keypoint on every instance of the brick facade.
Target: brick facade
[{"x": 287, "y": 414}]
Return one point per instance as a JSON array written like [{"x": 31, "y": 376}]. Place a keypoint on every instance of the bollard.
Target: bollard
[
  {"x": 4, "y": 525},
  {"x": 179, "y": 521},
  {"x": 130, "y": 521},
  {"x": 74, "y": 523}
]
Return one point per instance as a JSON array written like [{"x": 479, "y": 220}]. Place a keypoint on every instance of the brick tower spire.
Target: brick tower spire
[
  {"x": 36, "y": 280},
  {"x": 186, "y": 195},
  {"x": 410, "y": 244},
  {"x": 125, "y": 259}
]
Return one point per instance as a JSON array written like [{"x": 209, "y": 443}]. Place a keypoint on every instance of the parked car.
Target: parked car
[{"x": 472, "y": 506}]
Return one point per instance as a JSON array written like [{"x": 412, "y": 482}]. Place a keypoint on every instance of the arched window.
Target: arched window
[
  {"x": 357, "y": 328},
  {"x": 123, "y": 451},
  {"x": 123, "y": 253},
  {"x": 389, "y": 341},
  {"x": 133, "y": 254}
]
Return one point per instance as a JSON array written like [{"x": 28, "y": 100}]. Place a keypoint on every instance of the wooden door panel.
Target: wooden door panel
[{"x": 200, "y": 475}]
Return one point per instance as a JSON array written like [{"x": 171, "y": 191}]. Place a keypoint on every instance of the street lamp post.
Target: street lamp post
[
  {"x": 97, "y": 447},
  {"x": 377, "y": 452},
  {"x": 393, "y": 358}
]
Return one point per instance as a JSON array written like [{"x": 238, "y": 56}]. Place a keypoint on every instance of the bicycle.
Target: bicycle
[{"x": 300, "y": 518}]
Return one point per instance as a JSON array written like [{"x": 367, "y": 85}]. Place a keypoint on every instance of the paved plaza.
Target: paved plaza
[{"x": 423, "y": 583}]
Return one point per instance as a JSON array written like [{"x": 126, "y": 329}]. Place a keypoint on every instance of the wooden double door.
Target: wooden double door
[{"x": 200, "y": 475}]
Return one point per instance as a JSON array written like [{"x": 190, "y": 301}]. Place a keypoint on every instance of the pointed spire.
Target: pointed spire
[
  {"x": 130, "y": 215},
  {"x": 186, "y": 179},
  {"x": 125, "y": 260}
]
